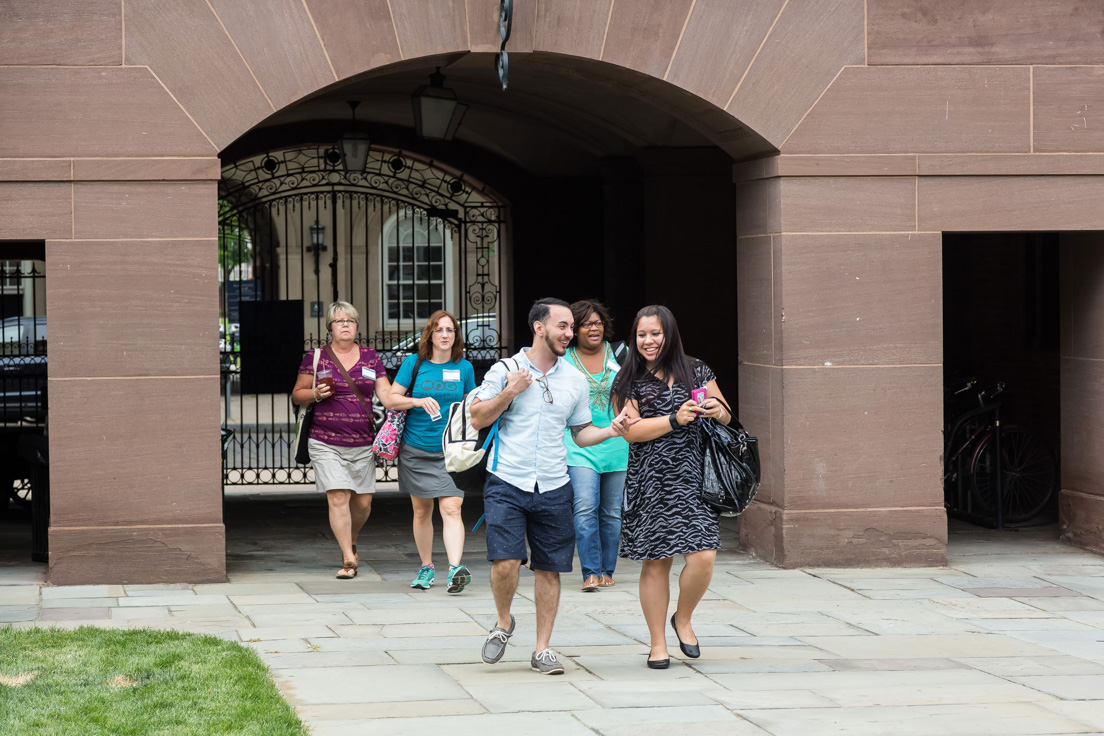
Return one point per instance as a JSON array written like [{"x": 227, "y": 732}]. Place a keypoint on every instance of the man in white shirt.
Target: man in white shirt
[{"x": 529, "y": 493}]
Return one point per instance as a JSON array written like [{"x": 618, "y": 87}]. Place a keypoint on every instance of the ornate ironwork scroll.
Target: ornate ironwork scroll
[{"x": 273, "y": 210}]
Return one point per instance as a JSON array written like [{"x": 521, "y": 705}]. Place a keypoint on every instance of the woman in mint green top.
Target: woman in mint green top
[
  {"x": 597, "y": 472},
  {"x": 425, "y": 385}
]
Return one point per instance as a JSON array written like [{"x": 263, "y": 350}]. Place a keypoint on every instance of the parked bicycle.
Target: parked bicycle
[{"x": 980, "y": 456}]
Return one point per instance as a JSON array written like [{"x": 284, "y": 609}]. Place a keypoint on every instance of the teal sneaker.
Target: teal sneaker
[
  {"x": 424, "y": 579},
  {"x": 458, "y": 578}
]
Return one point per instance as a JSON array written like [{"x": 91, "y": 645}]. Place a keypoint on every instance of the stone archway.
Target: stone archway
[{"x": 112, "y": 159}]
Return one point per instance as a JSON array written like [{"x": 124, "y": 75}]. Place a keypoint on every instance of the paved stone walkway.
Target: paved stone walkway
[{"x": 1008, "y": 640}]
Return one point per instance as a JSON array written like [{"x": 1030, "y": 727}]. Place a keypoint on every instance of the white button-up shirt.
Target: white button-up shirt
[{"x": 531, "y": 452}]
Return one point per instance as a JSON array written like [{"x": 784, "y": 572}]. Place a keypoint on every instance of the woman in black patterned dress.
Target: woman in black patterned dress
[{"x": 663, "y": 514}]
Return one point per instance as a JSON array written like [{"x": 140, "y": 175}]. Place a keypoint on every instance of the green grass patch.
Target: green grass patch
[{"x": 91, "y": 681}]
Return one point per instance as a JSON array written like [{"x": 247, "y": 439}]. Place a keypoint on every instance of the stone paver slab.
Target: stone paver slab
[
  {"x": 990, "y": 608},
  {"x": 270, "y": 600},
  {"x": 1068, "y": 687},
  {"x": 504, "y": 672},
  {"x": 630, "y": 667},
  {"x": 1064, "y": 605},
  {"x": 770, "y": 699},
  {"x": 529, "y": 724},
  {"x": 883, "y": 573},
  {"x": 311, "y": 658},
  {"x": 1048, "y": 592},
  {"x": 1012, "y": 667},
  {"x": 905, "y": 622},
  {"x": 422, "y": 615},
  {"x": 368, "y": 684},
  {"x": 262, "y": 633},
  {"x": 79, "y": 603},
  {"x": 173, "y": 600},
  {"x": 699, "y": 719},
  {"x": 319, "y": 618},
  {"x": 1029, "y": 624},
  {"x": 1088, "y": 712},
  {"x": 19, "y": 595},
  {"x": 465, "y": 655},
  {"x": 920, "y": 646},
  {"x": 277, "y": 646},
  {"x": 81, "y": 591},
  {"x": 470, "y": 644},
  {"x": 29, "y": 573},
  {"x": 744, "y": 666},
  {"x": 469, "y": 628},
  {"x": 18, "y": 613},
  {"x": 646, "y": 694},
  {"x": 143, "y": 612},
  {"x": 893, "y": 665},
  {"x": 392, "y": 711},
  {"x": 233, "y": 589},
  {"x": 916, "y": 594},
  {"x": 1019, "y": 719},
  {"x": 358, "y": 632},
  {"x": 75, "y": 614},
  {"x": 519, "y": 697}
]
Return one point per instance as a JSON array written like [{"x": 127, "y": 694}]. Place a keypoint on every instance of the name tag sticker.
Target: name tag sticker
[
  {"x": 369, "y": 373},
  {"x": 613, "y": 365},
  {"x": 450, "y": 375}
]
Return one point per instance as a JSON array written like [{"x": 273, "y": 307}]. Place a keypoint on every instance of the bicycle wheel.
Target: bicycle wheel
[{"x": 1029, "y": 472}]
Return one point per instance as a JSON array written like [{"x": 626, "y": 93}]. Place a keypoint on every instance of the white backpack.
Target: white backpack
[{"x": 465, "y": 447}]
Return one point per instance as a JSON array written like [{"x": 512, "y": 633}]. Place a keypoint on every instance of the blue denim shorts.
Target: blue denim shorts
[{"x": 547, "y": 519}]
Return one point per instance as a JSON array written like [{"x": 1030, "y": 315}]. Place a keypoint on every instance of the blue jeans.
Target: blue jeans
[{"x": 597, "y": 518}]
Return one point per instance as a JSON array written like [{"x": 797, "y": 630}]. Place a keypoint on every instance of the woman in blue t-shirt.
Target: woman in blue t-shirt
[{"x": 439, "y": 376}]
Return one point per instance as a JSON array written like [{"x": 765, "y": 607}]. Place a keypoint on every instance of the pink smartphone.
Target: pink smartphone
[{"x": 698, "y": 395}]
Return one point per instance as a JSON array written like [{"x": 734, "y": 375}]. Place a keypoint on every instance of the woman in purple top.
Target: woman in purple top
[{"x": 340, "y": 441}]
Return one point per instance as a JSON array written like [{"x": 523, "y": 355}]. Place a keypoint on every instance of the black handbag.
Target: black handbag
[
  {"x": 304, "y": 418},
  {"x": 730, "y": 466}
]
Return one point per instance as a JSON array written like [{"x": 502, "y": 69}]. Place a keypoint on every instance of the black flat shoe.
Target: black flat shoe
[
  {"x": 690, "y": 650},
  {"x": 659, "y": 664}
]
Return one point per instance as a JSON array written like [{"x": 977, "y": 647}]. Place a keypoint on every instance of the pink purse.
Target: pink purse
[{"x": 389, "y": 437}]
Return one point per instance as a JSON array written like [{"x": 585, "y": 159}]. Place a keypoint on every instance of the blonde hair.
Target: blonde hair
[{"x": 340, "y": 306}]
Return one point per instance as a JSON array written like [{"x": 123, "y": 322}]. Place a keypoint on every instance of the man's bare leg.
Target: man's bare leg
[{"x": 547, "y": 589}]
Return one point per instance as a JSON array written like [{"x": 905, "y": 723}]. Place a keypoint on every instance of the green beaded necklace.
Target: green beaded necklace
[{"x": 600, "y": 387}]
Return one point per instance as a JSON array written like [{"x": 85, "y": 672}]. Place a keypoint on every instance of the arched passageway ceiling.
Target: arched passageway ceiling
[
  {"x": 233, "y": 64},
  {"x": 558, "y": 116}
]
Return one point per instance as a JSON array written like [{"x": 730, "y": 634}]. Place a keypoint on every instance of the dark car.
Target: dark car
[
  {"x": 23, "y": 370},
  {"x": 22, "y": 401}
]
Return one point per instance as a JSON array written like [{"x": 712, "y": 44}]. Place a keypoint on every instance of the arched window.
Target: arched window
[{"x": 417, "y": 262}]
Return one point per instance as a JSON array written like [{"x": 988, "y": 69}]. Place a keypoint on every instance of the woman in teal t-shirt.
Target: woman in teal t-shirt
[
  {"x": 597, "y": 472},
  {"x": 443, "y": 377}
]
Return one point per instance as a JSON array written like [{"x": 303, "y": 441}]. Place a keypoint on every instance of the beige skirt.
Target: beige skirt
[{"x": 348, "y": 468}]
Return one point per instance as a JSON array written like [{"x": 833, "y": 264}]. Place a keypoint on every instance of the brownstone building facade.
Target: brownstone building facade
[{"x": 814, "y": 153}]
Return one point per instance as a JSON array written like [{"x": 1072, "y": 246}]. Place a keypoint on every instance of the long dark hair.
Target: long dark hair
[
  {"x": 581, "y": 309},
  {"x": 671, "y": 362}
]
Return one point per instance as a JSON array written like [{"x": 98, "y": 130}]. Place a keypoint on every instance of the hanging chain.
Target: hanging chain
[{"x": 505, "y": 25}]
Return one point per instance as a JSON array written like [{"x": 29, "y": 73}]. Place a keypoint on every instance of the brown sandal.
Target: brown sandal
[{"x": 348, "y": 571}]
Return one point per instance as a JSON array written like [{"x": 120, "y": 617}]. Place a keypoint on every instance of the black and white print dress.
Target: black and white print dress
[{"x": 663, "y": 514}]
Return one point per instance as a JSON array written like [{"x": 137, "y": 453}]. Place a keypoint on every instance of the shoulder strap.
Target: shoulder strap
[
  {"x": 314, "y": 377},
  {"x": 413, "y": 378},
  {"x": 351, "y": 383}
]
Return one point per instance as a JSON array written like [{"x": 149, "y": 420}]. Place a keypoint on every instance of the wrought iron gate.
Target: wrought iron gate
[{"x": 399, "y": 240}]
